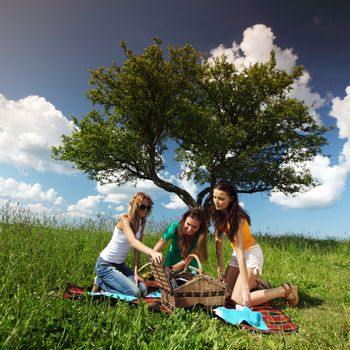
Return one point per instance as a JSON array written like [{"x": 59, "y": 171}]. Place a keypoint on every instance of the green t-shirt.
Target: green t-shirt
[{"x": 174, "y": 255}]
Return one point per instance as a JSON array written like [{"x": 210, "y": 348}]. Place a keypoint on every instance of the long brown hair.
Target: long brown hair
[
  {"x": 233, "y": 215},
  {"x": 201, "y": 235}
]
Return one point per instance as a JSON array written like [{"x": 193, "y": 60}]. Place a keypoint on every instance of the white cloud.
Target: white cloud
[
  {"x": 117, "y": 198},
  {"x": 28, "y": 128},
  {"x": 85, "y": 207},
  {"x": 257, "y": 43},
  {"x": 332, "y": 183},
  {"x": 175, "y": 203},
  {"x": 120, "y": 195},
  {"x": 188, "y": 185},
  {"x": 39, "y": 209},
  {"x": 120, "y": 208},
  {"x": 344, "y": 157},
  {"x": 332, "y": 178},
  {"x": 341, "y": 111},
  {"x": 303, "y": 92},
  {"x": 20, "y": 191}
]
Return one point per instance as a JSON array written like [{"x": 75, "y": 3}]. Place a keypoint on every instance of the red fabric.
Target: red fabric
[
  {"x": 276, "y": 320},
  {"x": 74, "y": 292},
  {"x": 152, "y": 285}
]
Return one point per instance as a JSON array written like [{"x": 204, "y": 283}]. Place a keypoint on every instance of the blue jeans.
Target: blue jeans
[{"x": 118, "y": 278}]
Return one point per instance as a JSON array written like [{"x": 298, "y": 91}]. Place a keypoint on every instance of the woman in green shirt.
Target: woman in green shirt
[{"x": 189, "y": 235}]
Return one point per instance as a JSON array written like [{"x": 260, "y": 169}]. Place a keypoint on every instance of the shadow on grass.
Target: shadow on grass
[{"x": 306, "y": 301}]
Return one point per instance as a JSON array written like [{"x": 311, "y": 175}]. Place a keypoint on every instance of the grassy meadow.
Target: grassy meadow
[{"x": 38, "y": 257}]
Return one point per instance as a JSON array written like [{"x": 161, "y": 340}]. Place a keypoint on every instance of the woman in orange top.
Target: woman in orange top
[{"x": 246, "y": 262}]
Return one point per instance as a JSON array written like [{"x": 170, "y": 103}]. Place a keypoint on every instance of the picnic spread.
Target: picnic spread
[{"x": 167, "y": 293}]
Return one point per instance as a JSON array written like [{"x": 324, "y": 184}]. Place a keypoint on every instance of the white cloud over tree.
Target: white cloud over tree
[
  {"x": 31, "y": 125},
  {"x": 256, "y": 45},
  {"x": 120, "y": 195}
]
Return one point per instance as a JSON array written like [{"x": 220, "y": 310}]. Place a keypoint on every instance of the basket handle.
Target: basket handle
[
  {"x": 144, "y": 266},
  {"x": 189, "y": 259}
]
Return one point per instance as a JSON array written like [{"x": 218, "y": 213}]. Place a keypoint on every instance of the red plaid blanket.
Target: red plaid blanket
[
  {"x": 74, "y": 292},
  {"x": 276, "y": 320}
]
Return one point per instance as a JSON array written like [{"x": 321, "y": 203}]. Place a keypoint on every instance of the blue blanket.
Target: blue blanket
[
  {"x": 123, "y": 296},
  {"x": 255, "y": 319}
]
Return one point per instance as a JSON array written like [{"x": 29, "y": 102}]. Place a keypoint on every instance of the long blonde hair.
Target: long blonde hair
[{"x": 133, "y": 205}]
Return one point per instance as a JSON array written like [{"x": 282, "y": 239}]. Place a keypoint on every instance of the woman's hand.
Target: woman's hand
[
  {"x": 138, "y": 279},
  {"x": 220, "y": 272},
  {"x": 218, "y": 246},
  {"x": 169, "y": 269},
  {"x": 246, "y": 298},
  {"x": 156, "y": 257}
]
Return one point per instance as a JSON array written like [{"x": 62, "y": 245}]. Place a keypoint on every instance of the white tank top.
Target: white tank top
[{"x": 118, "y": 247}]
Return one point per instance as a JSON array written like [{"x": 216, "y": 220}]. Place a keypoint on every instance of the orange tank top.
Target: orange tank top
[{"x": 248, "y": 239}]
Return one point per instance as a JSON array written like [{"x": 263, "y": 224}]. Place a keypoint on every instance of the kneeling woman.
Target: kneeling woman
[
  {"x": 112, "y": 274},
  {"x": 189, "y": 235},
  {"x": 246, "y": 261}
]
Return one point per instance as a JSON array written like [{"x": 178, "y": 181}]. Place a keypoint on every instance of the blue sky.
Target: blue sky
[{"x": 47, "y": 48}]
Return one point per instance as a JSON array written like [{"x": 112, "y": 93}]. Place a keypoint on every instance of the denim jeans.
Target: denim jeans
[{"x": 118, "y": 278}]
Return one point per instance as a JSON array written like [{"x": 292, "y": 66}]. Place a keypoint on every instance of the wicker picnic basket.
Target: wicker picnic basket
[{"x": 199, "y": 289}]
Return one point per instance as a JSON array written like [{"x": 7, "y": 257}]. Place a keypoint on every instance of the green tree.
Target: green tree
[{"x": 226, "y": 123}]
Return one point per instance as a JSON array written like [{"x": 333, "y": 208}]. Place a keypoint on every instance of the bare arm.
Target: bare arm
[
  {"x": 160, "y": 245},
  {"x": 179, "y": 266},
  {"x": 242, "y": 266},
  {"x": 137, "y": 256},
  {"x": 136, "y": 266},
  {"x": 218, "y": 244},
  {"x": 136, "y": 244}
]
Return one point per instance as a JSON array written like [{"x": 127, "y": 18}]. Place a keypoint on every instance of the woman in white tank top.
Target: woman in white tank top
[{"x": 112, "y": 274}]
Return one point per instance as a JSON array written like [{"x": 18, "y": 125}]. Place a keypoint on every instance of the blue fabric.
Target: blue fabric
[
  {"x": 153, "y": 295},
  {"x": 118, "y": 278},
  {"x": 123, "y": 296},
  {"x": 114, "y": 295},
  {"x": 255, "y": 319}
]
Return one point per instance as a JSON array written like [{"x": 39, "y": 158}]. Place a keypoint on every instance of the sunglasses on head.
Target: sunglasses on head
[{"x": 144, "y": 207}]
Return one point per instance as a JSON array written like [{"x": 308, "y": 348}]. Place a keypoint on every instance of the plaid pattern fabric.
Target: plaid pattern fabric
[
  {"x": 276, "y": 320},
  {"x": 152, "y": 285},
  {"x": 74, "y": 292}
]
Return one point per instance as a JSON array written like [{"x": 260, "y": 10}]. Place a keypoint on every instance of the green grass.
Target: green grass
[{"x": 36, "y": 261}]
